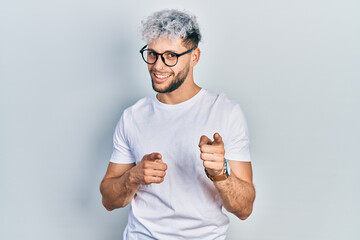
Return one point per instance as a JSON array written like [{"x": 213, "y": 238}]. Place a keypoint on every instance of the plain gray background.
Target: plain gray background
[{"x": 69, "y": 68}]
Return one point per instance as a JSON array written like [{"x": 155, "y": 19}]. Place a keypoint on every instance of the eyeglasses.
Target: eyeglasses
[{"x": 169, "y": 58}]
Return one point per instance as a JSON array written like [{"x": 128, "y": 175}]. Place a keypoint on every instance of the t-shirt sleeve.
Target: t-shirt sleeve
[
  {"x": 121, "y": 149},
  {"x": 237, "y": 145}
]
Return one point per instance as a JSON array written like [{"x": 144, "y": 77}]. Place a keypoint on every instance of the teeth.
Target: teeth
[{"x": 162, "y": 76}]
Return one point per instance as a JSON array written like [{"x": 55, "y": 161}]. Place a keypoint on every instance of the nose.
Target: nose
[{"x": 159, "y": 64}]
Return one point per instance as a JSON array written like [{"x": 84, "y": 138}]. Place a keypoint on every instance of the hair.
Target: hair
[{"x": 172, "y": 24}]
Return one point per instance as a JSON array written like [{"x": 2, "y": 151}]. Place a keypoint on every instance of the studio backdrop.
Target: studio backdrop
[{"x": 69, "y": 68}]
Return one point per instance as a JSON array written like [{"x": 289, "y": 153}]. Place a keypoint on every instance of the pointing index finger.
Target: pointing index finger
[
  {"x": 154, "y": 156},
  {"x": 218, "y": 138},
  {"x": 204, "y": 140}
]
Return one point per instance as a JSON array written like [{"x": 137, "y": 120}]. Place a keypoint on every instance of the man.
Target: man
[{"x": 173, "y": 152}]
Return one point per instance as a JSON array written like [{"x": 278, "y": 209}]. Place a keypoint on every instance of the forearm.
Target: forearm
[
  {"x": 118, "y": 192},
  {"x": 237, "y": 196}
]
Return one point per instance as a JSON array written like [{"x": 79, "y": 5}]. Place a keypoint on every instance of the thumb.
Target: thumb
[
  {"x": 218, "y": 139},
  {"x": 204, "y": 140},
  {"x": 153, "y": 156}
]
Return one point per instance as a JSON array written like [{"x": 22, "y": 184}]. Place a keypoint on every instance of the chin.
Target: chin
[
  {"x": 160, "y": 89},
  {"x": 168, "y": 86}
]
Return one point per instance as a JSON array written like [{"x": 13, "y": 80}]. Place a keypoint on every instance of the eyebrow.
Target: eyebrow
[{"x": 164, "y": 51}]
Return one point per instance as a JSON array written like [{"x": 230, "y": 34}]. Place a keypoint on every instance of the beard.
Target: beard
[{"x": 175, "y": 84}]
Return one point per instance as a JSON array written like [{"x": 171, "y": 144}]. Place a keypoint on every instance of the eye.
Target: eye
[
  {"x": 151, "y": 54},
  {"x": 170, "y": 55}
]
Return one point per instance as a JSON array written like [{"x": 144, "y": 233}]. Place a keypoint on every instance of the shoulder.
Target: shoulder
[
  {"x": 222, "y": 100},
  {"x": 141, "y": 107},
  {"x": 131, "y": 115}
]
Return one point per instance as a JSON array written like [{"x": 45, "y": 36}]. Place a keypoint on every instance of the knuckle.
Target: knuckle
[
  {"x": 205, "y": 164},
  {"x": 220, "y": 159},
  {"x": 147, "y": 180},
  {"x": 146, "y": 165}
]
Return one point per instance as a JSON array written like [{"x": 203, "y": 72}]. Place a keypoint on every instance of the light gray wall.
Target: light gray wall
[{"x": 69, "y": 68}]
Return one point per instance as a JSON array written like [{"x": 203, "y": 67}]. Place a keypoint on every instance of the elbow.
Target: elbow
[
  {"x": 108, "y": 203},
  {"x": 109, "y": 207},
  {"x": 247, "y": 209},
  {"x": 243, "y": 216},
  {"x": 243, "y": 213}
]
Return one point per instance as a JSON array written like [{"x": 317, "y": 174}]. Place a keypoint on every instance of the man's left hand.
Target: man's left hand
[{"x": 212, "y": 154}]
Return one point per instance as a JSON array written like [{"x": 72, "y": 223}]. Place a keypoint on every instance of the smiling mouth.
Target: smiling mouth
[{"x": 161, "y": 77}]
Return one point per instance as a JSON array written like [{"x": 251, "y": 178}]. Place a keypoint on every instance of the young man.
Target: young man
[{"x": 173, "y": 152}]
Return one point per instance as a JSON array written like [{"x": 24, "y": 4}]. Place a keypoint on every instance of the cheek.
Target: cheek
[
  {"x": 183, "y": 70},
  {"x": 176, "y": 70}
]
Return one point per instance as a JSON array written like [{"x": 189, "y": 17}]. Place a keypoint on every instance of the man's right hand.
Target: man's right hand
[{"x": 151, "y": 169}]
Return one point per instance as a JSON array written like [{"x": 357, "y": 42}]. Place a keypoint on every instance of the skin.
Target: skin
[
  {"x": 122, "y": 181},
  {"x": 237, "y": 192}
]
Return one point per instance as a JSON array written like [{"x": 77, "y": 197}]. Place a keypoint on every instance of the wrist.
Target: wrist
[
  {"x": 133, "y": 180},
  {"x": 214, "y": 173},
  {"x": 223, "y": 174}
]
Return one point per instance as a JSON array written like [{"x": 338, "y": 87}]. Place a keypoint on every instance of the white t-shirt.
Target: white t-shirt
[{"x": 186, "y": 205}]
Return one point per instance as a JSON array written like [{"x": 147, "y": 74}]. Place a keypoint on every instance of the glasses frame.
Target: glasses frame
[{"x": 162, "y": 57}]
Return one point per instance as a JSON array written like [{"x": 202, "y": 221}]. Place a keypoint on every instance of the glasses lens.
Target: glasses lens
[
  {"x": 170, "y": 58},
  {"x": 149, "y": 56}
]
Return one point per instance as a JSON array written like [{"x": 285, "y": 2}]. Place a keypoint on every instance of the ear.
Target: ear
[{"x": 195, "y": 57}]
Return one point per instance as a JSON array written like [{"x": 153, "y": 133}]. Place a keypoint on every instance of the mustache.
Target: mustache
[{"x": 156, "y": 71}]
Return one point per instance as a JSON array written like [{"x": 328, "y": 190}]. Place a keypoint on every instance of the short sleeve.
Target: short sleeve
[
  {"x": 237, "y": 146},
  {"x": 121, "y": 149}
]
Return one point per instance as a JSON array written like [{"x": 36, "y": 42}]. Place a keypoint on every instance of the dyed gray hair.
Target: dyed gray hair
[{"x": 172, "y": 24}]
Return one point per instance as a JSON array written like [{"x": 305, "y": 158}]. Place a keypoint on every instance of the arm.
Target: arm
[
  {"x": 122, "y": 181},
  {"x": 117, "y": 187},
  {"x": 237, "y": 192}
]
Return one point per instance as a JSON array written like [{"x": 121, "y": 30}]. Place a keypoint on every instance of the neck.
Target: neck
[{"x": 186, "y": 91}]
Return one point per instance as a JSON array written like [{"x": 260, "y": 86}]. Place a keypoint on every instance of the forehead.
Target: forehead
[{"x": 166, "y": 44}]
